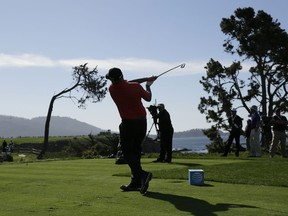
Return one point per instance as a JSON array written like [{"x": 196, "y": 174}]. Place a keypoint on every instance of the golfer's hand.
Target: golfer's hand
[{"x": 150, "y": 80}]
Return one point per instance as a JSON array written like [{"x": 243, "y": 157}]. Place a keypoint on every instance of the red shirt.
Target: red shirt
[{"x": 127, "y": 97}]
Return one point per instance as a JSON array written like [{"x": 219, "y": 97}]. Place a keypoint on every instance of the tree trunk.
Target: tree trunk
[
  {"x": 264, "y": 95},
  {"x": 47, "y": 127},
  {"x": 48, "y": 118}
]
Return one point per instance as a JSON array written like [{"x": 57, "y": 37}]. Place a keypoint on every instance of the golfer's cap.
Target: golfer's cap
[
  {"x": 161, "y": 105},
  {"x": 254, "y": 108},
  {"x": 233, "y": 110},
  {"x": 114, "y": 74}
]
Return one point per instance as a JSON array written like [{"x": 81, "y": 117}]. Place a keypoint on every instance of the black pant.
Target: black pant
[
  {"x": 166, "y": 138},
  {"x": 233, "y": 135},
  {"x": 132, "y": 134}
]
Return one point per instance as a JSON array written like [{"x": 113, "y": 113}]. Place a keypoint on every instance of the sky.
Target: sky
[{"x": 41, "y": 41}]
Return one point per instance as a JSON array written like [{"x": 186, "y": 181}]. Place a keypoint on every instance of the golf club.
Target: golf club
[{"x": 140, "y": 80}]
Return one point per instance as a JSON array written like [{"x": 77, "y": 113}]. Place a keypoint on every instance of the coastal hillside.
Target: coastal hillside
[
  {"x": 11, "y": 126},
  {"x": 189, "y": 133}
]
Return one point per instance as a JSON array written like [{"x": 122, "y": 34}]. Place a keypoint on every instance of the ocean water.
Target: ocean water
[{"x": 196, "y": 144}]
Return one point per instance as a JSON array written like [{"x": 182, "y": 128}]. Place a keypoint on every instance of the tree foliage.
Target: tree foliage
[
  {"x": 87, "y": 82},
  {"x": 259, "y": 41},
  {"x": 94, "y": 146}
]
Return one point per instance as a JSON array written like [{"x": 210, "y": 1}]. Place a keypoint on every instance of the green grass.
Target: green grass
[{"x": 242, "y": 186}]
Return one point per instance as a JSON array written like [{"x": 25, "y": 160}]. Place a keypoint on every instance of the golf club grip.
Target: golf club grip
[{"x": 140, "y": 80}]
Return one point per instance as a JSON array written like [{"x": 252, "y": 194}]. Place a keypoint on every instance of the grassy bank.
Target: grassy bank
[{"x": 242, "y": 186}]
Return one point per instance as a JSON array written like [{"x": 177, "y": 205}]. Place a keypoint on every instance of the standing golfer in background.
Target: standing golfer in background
[
  {"x": 128, "y": 99},
  {"x": 235, "y": 123}
]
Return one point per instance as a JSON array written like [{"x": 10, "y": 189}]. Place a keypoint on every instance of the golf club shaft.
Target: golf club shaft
[
  {"x": 181, "y": 65},
  {"x": 141, "y": 80}
]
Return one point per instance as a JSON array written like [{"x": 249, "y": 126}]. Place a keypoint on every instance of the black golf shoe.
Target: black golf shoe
[
  {"x": 130, "y": 187},
  {"x": 146, "y": 178}
]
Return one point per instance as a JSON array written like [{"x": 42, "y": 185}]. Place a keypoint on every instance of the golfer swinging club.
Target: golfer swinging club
[{"x": 127, "y": 97}]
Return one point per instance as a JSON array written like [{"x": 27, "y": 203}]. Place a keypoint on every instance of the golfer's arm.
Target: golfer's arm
[
  {"x": 141, "y": 80},
  {"x": 148, "y": 89}
]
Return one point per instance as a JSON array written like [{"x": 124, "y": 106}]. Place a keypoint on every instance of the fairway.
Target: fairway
[{"x": 91, "y": 187}]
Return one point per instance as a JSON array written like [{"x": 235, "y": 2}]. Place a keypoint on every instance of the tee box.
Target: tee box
[{"x": 196, "y": 177}]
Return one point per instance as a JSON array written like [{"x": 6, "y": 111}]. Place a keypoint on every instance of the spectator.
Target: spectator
[
  {"x": 279, "y": 136},
  {"x": 255, "y": 149},
  {"x": 4, "y": 146},
  {"x": 11, "y": 146},
  {"x": 166, "y": 134},
  {"x": 247, "y": 134}
]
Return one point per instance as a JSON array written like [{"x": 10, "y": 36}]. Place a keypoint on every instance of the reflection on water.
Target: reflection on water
[{"x": 195, "y": 144}]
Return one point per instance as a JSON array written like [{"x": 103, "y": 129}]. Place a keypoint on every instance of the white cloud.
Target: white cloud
[
  {"x": 131, "y": 65},
  {"x": 25, "y": 60},
  {"x": 136, "y": 65},
  {"x": 146, "y": 67}
]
